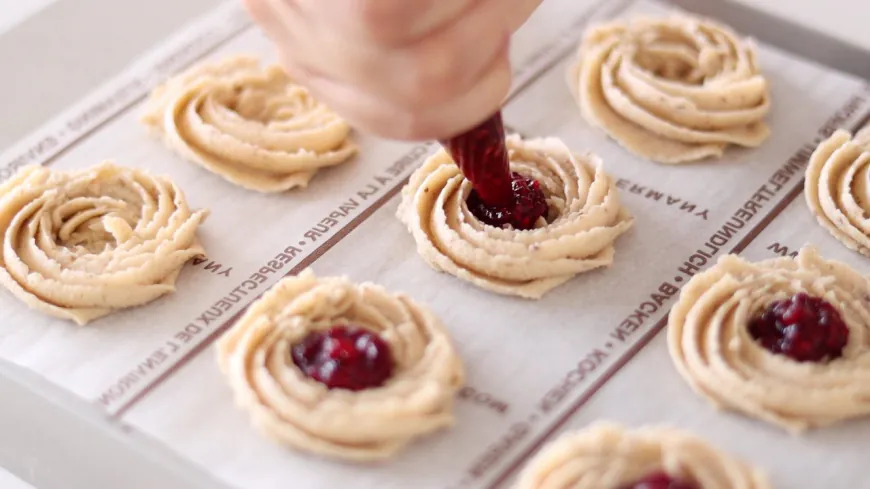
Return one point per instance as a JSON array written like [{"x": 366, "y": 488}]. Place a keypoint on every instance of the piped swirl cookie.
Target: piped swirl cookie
[
  {"x": 672, "y": 90},
  {"x": 252, "y": 126},
  {"x": 609, "y": 456},
  {"x": 341, "y": 370},
  {"x": 80, "y": 244},
  {"x": 836, "y": 188},
  {"x": 584, "y": 219},
  {"x": 783, "y": 340}
]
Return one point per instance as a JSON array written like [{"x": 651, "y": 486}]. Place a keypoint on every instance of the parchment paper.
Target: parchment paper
[{"x": 588, "y": 350}]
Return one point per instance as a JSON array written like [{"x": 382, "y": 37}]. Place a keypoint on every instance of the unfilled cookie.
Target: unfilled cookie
[
  {"x": 836, "y": 188},
  {"x": 80, "y": 244},
  {"x": 672, "y": 90},
  {"x": 271, "y": 355},
  {"x": 253, "y": 126},
  {"x": 754, "y": 338},
  {"x": 609, "y": 456},
  {"x": 585, "y": 219}
]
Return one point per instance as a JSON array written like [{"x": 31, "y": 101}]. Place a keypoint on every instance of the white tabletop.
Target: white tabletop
[
  {"x": 12, "y": 12},
  {"x": 9, "y": 481}
]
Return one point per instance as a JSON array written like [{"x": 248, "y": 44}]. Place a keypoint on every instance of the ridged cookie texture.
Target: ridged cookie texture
[
  {"x": 837, "y": 189},
  {"x": 253, "y": 126},
  {"x": 712, "y": 348},
  {"x": 610, "y": 456},
  {"x": 301, "y": 413},
  {"x": 672, "y": 89},
  {"x": 585, "y": 219},
  {"x": 80, "y": 244}
]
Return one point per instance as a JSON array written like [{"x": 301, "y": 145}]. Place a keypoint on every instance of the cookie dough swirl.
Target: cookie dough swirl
[
  {"x": 836, "y": 188},
  {"x": 301, "y": 413},
  {"x": 712, "y": 348},
  {"x": 78, "y": 245},
  {"x": 254, "y": 127},
  {"x": 608, "y": 456},
  {"x": 584, "y": 220},
  {"x": 671, "y": 90}
]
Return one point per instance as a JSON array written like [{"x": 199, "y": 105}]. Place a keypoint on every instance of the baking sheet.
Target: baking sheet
[
  {"x": 117, "y": 361},
  {"x": 832, "y": 457},
  {"x": 533, "y": 366}
]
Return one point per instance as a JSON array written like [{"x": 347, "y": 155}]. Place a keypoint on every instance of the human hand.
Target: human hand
[{"x": 402, "y": 69}]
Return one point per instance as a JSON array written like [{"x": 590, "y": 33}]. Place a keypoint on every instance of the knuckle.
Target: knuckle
[
  {"x": 435, "y": 75},
  {"x": 384, "y": 20}
]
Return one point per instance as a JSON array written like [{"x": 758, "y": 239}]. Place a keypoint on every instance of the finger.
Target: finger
[
  {"x": 474, "y": 106},
  {"x": 429, "y": 78},
  {"x": 363, "y": 111},
  {"x": 264, "y": 14},
  {"x": 421, "y": 75},
  {"x": 519, "y": 12},
  {"x": 376, "y": 116},
  {"x": 259, "y": 10},
  {"x": 282, "y": 20},
  {"x": 452, "y": 60},
  {"x": 359, "y": 108},
  {"x": 388, "y": 22}
]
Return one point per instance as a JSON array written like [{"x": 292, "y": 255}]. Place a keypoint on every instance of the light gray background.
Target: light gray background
[
  {"x": 845, "y": 20},
  {"x": 53, "y": 58}
]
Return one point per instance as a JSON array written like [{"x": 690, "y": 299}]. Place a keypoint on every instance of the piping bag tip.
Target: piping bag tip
[{"x": 482, "y": 156}]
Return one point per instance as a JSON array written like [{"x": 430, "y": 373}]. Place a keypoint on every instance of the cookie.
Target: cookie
[
  {"x": 782, "y": 340},
  {"x": 671, "y": 90},
  {"x": 609, "y": 456},
  {"x": 341, "y": 370},
  {"x": 80, "y": 244},
  {"x": 836, "y": 188},
  {"x": 585, "y": 218},
  {"x": 253, "y": 126}
]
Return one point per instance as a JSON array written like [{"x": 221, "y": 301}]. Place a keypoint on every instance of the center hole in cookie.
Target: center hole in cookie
[
  {"x": 528, "y": 210},
  {"x": 344, "y": 357},
  {"x": 93, "y": 224},
  {"x": 269, "y": 104},
  {"x": 803, "y": 328},
  {"x": 671, "y": 56},
  {"x": 660, "y": 480},
  {"x": 252, "y": 104}
]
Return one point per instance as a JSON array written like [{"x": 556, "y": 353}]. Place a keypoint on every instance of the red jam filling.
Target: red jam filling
[
  {"x": 803, "y": 328},
  {"x": 499, "y": 197},
  {"x": 659, "y": 480},
  {"x": 344, "y": 357},
  {"x": 529, "y": 204}
]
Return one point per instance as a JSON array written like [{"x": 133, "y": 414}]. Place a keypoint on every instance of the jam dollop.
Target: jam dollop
[
  {"x": 659, "y": 480},
  {"x": 528, "y": 205},
  {"x": 344, "y": 357},
  {"x": 803, "y": 328},
  {"x": 499, "y": 197}
]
